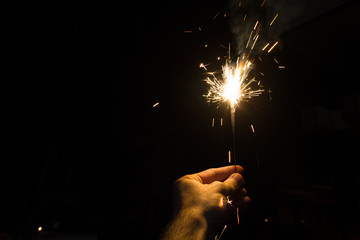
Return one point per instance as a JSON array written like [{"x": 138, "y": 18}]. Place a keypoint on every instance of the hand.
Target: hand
[{"x": 206, "y": 194}]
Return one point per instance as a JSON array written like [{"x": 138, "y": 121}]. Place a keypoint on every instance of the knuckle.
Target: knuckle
[
  {"x": 179, "y": 182},
  {"x": 239, "y": 178}
]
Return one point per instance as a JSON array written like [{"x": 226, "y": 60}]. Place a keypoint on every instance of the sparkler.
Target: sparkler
[
  {"x": 233, "y": 84},
  {"x": 233, "y": 88}
]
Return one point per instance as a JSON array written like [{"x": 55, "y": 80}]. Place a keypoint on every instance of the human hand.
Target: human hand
[{"x": 205, "y": 194}]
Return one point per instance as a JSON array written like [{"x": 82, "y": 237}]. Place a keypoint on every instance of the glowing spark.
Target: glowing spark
[
  {"x": 156, "y": 104},
  {"x": 187, "y": 31},
  {"x": 218, "y": 238},
  {"x": 221, "y": 122},
  {"x": 213, "y": 122},
  {"x": 263, "y": 3},
  {"x": 266, "y": 46},
  {"x": 273, "y": 46},
  {"x": 256, "y": 24},
  {"x": 237, "y": 215},
  {"x": 252, "y": 128},
  {"x": 229, "y": 156},
  {"x": 203, "y": 66},
  {"x": 216, "y": 15},
  {"x": 228, "y": 200},
  {"x": 257, "y": 31},
  {"x": 244, "y": 17},
  {"x": 276, "y": 61},
  {"x": 234, "y": 87},
  {"x": 247, "y": 44},
  {"x": 274, "y": 19},
  {"x": 257, "y": 36},
  {"x": 281, "y": 67}
]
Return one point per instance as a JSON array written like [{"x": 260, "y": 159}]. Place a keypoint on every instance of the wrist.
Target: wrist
[
  {"x": 188, "y": 223},
  {"x": 194, "y": 215}
]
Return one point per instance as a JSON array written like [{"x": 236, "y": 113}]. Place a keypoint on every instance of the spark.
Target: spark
[
  {"x": 276, "y": 61},
  {"x": 187, "y": 31},
  {"x": 203, "y": 66},
  {"x": 256, "y": 24},
  {"x": 252, "y": 128},
  {"x": 156, "y": 104},
  {"x": 213, "y": 122},
  {"x": 229, "y": 156},
  {"x": 237, "y": 216},
  {"x": 273, "y": 46},
  {"x": 221, "y": 121},
  {"x": 257, "y": 36},
  {"x": 218, "y": 238},
  {"x": 274, "y": 19},
  {"x": 216, "y": 15},
  {"x": 266, "y": 46},
  {"x": 281, "y": 67},
  {"x": 247, "y": 44},
  {"x": 234, "y": 86},
  {"x": 263, "y": 3},
  {"x": 228, "y": 200}
]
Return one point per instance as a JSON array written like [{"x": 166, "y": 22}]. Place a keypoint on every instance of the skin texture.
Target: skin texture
[{"x": 200, "y": 202}]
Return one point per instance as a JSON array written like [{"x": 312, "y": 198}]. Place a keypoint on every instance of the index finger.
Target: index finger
[{"x": 218, "y": 174}]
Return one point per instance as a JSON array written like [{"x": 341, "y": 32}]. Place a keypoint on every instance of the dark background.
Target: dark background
[{"x": 91, "y": 157}]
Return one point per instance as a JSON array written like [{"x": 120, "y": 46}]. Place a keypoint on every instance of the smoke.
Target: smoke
[{"x": 245, "y": 15}]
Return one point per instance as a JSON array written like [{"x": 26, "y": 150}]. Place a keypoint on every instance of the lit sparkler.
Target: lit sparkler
[{"x": 234, "y": 87}]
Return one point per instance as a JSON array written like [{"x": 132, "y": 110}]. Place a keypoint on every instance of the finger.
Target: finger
[
  {"x": 233, "y": 184},
  {"x": 243, "y": 203},
  {"x": 218, "y": 174},
  {"x": 242, "y": 192}
]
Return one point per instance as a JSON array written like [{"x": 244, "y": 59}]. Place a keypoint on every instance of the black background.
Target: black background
[{"x": 91, "y": 155}]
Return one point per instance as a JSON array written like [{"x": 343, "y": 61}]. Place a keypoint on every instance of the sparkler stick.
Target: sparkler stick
[{"x": 232, "y": 112}]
